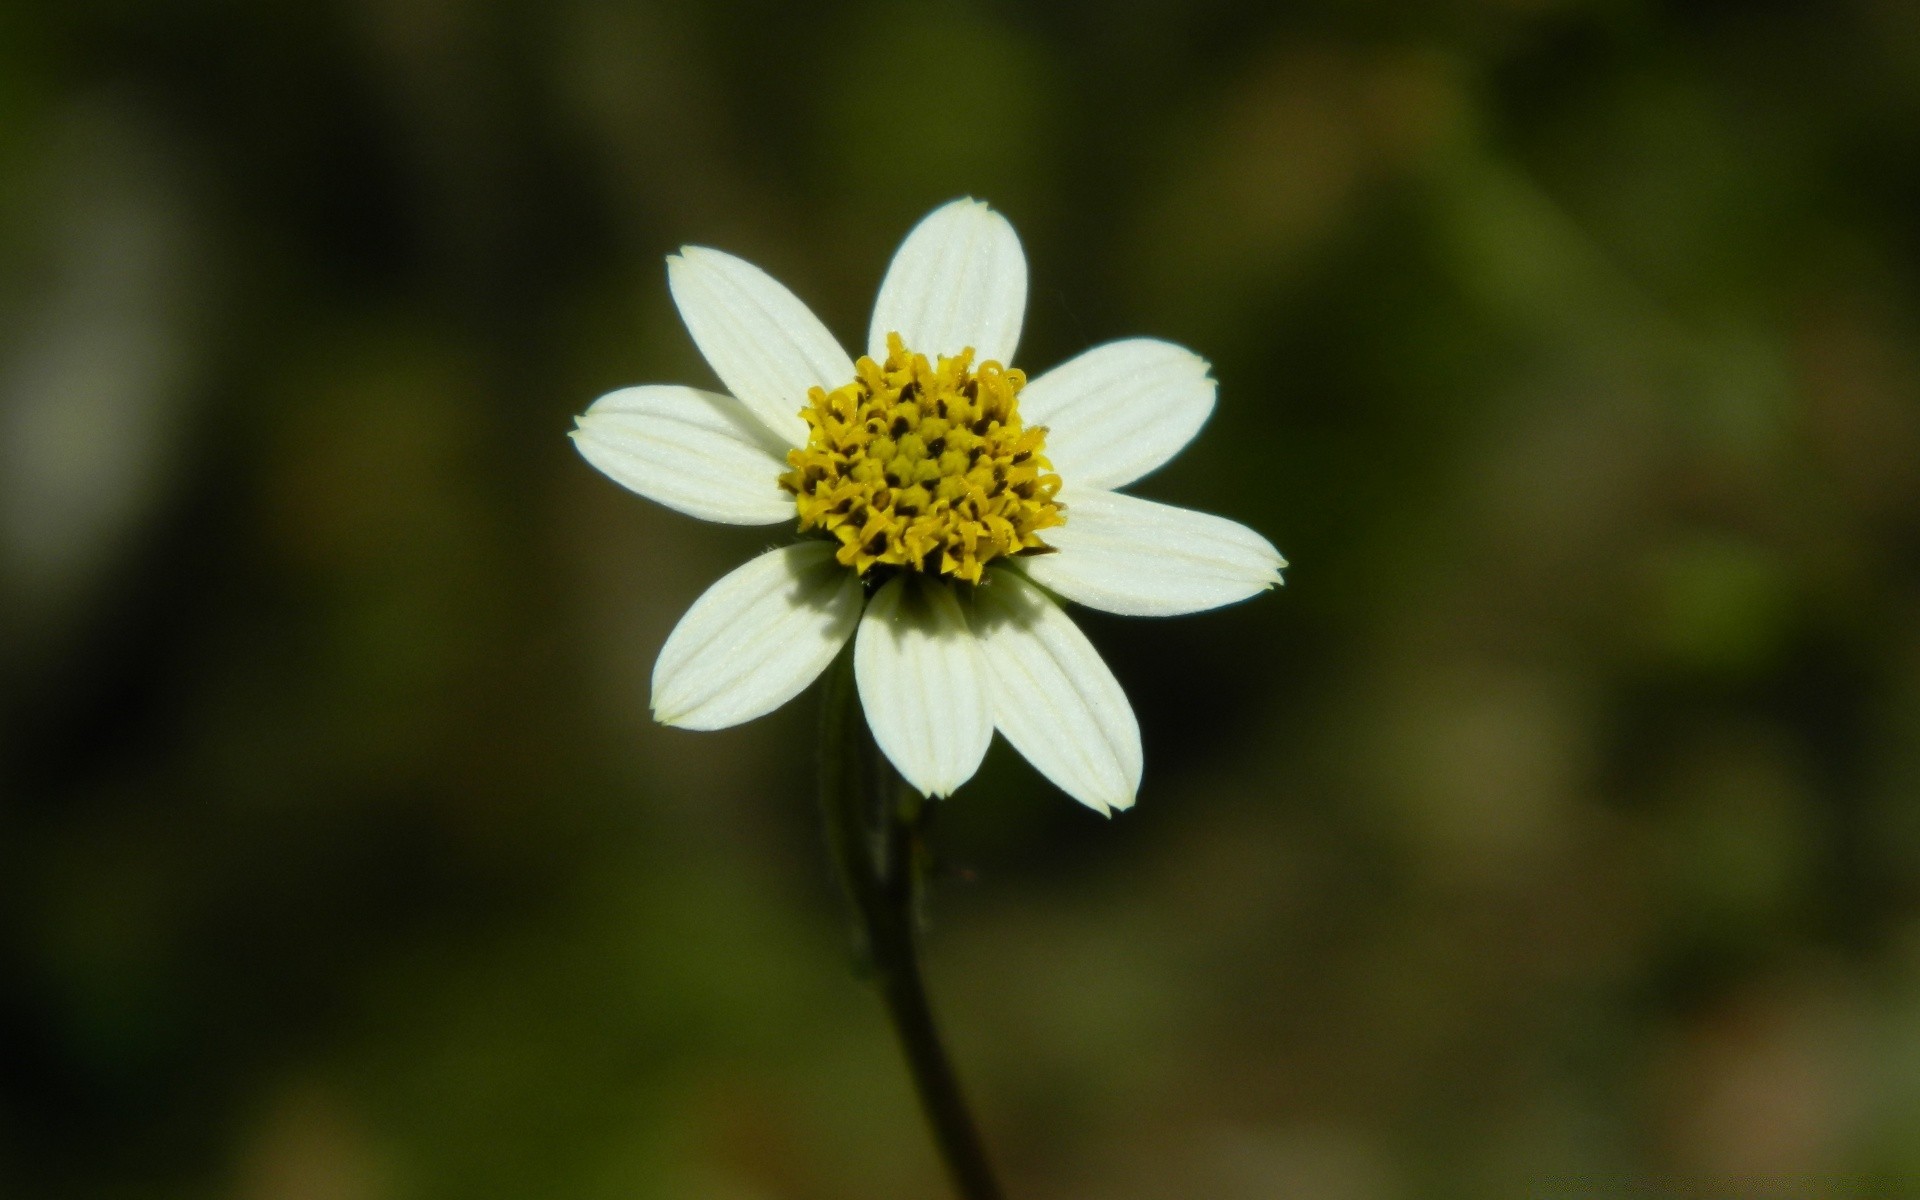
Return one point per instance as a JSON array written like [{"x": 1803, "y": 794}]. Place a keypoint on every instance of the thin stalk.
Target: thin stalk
[{"x": 875, "y": 825}]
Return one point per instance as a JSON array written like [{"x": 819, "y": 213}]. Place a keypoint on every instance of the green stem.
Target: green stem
[{"x": 875, "y": 825}]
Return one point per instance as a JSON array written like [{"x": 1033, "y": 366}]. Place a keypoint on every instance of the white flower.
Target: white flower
[{"x": 954, "y": 499}]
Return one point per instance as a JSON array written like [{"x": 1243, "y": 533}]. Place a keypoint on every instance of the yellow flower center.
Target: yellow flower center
[{"x": 924, "y": 467}]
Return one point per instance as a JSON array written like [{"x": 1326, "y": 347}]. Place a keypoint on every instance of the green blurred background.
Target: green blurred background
[{"x": 1555, "y": 831}]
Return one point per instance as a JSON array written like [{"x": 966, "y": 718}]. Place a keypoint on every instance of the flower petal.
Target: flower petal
[
  {"x": 1053, "y": 696},
  {"x": 756, "y": 638},
  {"x": 1138, "y": 558},
  {"x": 959, "y": 280},
  {"x": 763, "y": 343},
  {"x": 1119, "y": 410},
  {"x": 919, "y": 679},
  {"x": 696, "y": 452}
]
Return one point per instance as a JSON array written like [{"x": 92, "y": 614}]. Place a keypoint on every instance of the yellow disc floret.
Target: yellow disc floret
[{"x": 924, "y": 467}]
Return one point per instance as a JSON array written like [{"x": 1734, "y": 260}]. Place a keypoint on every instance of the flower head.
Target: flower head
[{"x": 944, "y": 499}]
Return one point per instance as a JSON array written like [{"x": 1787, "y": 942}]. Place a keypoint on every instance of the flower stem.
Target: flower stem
[{"x": 875, "y": 825}]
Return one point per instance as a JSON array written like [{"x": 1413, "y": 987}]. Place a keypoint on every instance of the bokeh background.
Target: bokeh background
[{"x": 1555, "y": 831}]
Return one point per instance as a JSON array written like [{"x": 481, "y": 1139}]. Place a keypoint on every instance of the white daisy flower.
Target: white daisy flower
[{"x": 947, "y": 501}]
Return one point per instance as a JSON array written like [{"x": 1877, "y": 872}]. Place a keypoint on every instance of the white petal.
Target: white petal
[
  {"x": 1119, "y": 410},
  {"x": 1122, "y": 554},
  {"x": 763, "y": 343},
  {"x": 959, "y": 280},
  {"x": 1052, "y": 695},
  {"x": 756, "y": 638},
  {"x": 696, "y": 452},
  {"x": 919, "y": 679}
]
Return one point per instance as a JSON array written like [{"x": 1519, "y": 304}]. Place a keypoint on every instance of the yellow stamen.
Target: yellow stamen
[{"x": 924, "y": 467}]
